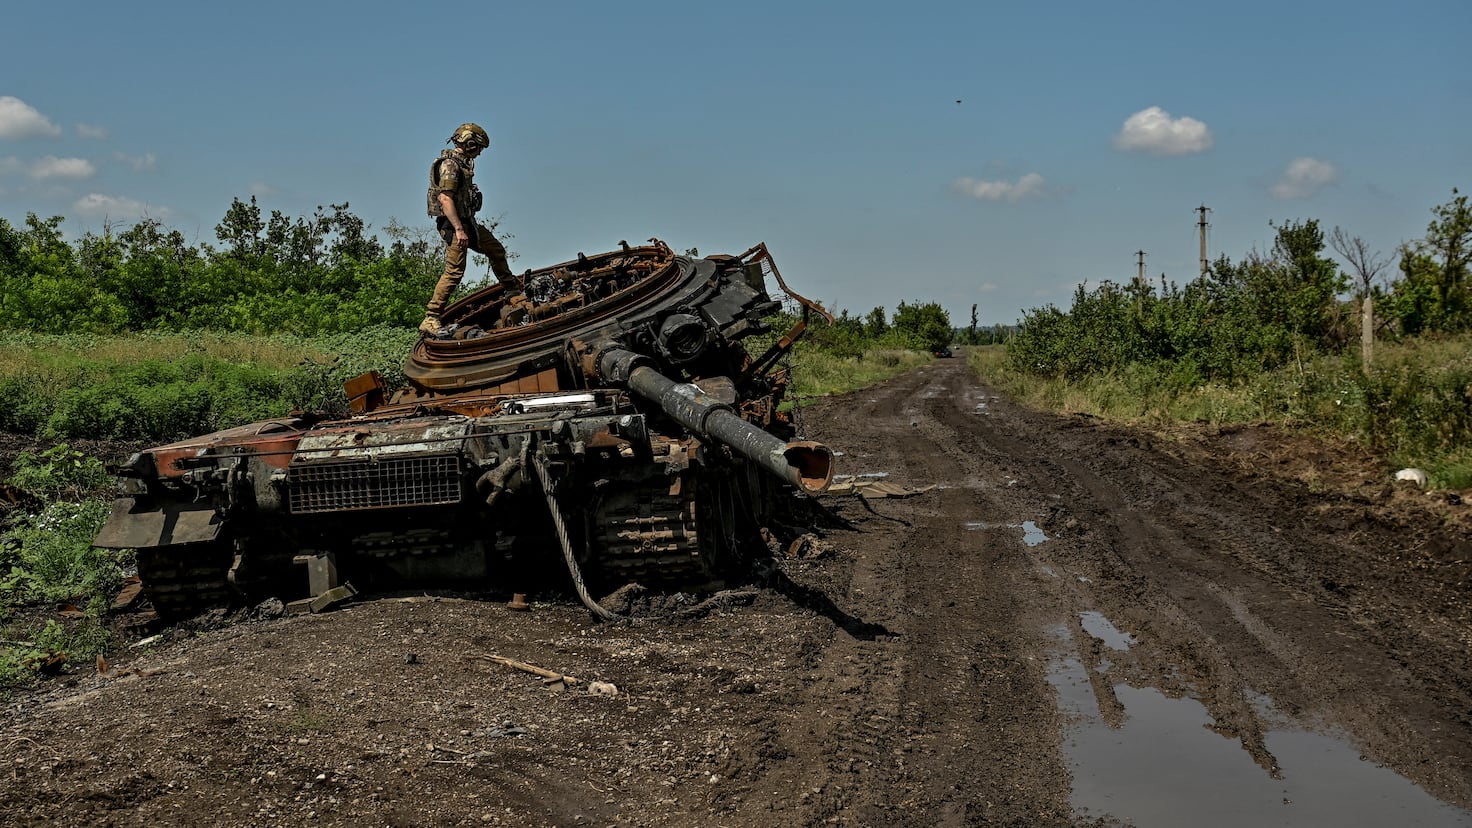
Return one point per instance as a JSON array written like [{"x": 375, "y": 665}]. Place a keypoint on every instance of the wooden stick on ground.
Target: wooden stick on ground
[{"x": 533, "y": 669}]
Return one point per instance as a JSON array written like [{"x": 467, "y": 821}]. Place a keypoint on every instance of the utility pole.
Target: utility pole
[
  {"x": 1139, "y": 282},
  {"x": 1203, "y": 210}
]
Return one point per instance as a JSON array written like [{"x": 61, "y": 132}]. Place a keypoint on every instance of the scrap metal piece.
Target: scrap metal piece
[{"x": 332, "y": 598}]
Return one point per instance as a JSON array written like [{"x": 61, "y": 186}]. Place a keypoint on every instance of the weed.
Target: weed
[
  {"x": 51, "y": 558},
  {"x": 50, "y": 647},
  {"x": 305, "y": 720},
  {"x": 59, "y": 472}
]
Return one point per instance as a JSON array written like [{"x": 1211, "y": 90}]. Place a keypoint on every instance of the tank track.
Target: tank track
[
  {"x": 648, "y": 533},
  {"x": 186, "y": 579}
]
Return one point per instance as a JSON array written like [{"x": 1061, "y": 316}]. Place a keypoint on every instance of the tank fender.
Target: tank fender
[{"x": 129, "y": 527}]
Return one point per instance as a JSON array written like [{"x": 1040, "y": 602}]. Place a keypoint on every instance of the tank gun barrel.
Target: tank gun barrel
[{"x": 805, "y": 464}]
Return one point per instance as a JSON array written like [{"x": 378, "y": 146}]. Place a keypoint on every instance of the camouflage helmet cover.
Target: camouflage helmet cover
[{"x": 471, "y": 134}]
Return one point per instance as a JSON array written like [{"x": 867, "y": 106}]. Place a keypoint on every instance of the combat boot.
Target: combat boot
[
  {"x": 431, "y": 325},
  {"x": 504, "y": 276}
]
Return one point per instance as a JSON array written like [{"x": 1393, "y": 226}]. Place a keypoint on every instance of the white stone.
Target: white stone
[{"x": 1417, "y": 476}]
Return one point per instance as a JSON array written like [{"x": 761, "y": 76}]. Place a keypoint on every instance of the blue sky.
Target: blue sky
[{"x": 1083, "y": 132}]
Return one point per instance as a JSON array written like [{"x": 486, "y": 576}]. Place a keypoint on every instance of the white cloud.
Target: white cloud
[
  {"x": 10, "y": 164},
  {"x": 116, "y": 207},
  {"x": 1305, "y": 177},
  {"x": 89, "y": 131},
  {"x": 1154, "y": 131},
  {"x": 261, "y": 188},
  {"x": 140, "y": 163},
  {"x": 1025, "y": 187},
  {"x": 53, "y": 167},
  {"x": 19, "y": 119}
]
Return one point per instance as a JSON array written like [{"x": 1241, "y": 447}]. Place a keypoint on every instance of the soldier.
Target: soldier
[{"x": 453, "y": 202}]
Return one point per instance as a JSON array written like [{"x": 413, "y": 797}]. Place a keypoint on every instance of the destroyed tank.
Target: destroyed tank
[{"x": 598, "y": 423}]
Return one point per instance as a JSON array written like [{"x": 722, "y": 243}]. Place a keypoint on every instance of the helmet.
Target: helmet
[{"x": 471, "y": 134}]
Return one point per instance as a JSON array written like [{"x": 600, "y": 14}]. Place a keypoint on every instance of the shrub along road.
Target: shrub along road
[{"x": 939, "y": 663}]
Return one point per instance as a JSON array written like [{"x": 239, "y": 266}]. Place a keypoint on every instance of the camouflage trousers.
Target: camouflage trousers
[{"x": 481, "y": 241}]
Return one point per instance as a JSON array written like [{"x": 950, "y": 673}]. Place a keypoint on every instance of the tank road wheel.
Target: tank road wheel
[
  {"x": 186, "y": 579},
  {"x": 645, "y": 532}
]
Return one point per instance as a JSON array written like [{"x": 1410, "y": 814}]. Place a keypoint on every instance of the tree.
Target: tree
[
  {"x": 1364, "y": 264},
  {"x": 1295, "y": 287},
  {"x": 1450, "y": 236},
  {"x": 875, "y": 324},
  {"x": 926, "y": 326},
  {"x": 240, "y": 230},
  {"x": 1366, "y": 267},
  {"x": 1433, "y": 293}
]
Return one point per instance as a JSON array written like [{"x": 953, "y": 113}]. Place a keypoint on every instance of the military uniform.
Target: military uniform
[{"x": 453, "y": 173}]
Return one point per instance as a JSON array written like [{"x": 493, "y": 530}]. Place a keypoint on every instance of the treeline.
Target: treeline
[
  {"x": 270, "y": 274},
  {"x": 919, "y": 326},
  {"x": 265, "y": 274},
  {"x": 1264, "y": 311}
]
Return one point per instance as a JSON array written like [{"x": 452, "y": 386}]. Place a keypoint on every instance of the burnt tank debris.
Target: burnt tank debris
[{"x": 599, "y": 425}]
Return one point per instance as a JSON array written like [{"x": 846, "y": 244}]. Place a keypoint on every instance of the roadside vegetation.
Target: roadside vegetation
[
  {"x": 46, "y": 559},
  {"x": 1277, "y": 337},
  {"x": 853, "y": 352},
  {"x": 164, "y": 386},
  {"x": 137, "y": 334}
]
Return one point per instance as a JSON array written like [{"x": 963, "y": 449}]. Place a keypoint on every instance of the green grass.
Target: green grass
[
  {"x": 167, "y": 386},
  {"x": 1413, "y": 409},
  {"x": 29, "y": 354},
  {"x": 816, "y": 373}
]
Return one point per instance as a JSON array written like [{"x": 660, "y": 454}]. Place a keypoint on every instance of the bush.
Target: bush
[
  {"x": 49, "y": 556},
  {"x": 59, "y": 472}
]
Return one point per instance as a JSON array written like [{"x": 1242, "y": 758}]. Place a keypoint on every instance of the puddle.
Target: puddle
[
  {"x": 1164, "y": 767},
  {"x": 870, "y": 475},
  {"x": 1102, "y": 628},
  {"x": 1031, "y": 534},
  {"x": 1071, "y": 682}
]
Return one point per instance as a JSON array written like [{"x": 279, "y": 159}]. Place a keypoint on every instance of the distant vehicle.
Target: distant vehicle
[{"x": 942, "y": 352}]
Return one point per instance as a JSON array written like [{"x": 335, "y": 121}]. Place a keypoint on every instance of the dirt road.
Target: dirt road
[{"x": 1076, "y": 625}]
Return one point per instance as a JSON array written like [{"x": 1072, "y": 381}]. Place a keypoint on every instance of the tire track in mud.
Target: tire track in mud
[
  {"x": 936, "y": 724},
  {"x": 1220, "y": 583},
  {"x": 1224, "y": 589}
]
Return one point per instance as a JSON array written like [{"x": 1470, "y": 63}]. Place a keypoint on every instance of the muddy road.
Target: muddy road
[{"x": 1077, "y": 625}]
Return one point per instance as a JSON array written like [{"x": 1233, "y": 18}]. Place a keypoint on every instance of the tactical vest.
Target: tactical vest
[{"x": 467, "y": 196}]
